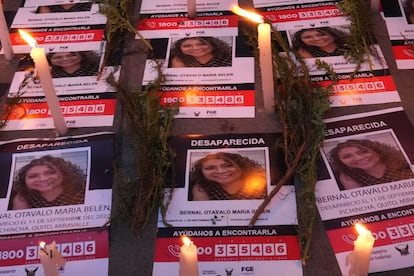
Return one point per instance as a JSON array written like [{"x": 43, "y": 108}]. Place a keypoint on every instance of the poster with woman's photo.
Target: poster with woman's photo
[
  {"x": 74, "y": 68},
  {"x": 220, "y": 181},
  {"x": 55, "y": 184},
  {"x": 368, "y": 177},
  {"x": 318, "y": 31},
  {"x": 399, "y": 20}
]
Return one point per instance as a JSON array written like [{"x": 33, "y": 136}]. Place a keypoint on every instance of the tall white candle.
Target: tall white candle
[
  {"x": 360, "y": 257},
  {"x": 4, "y": 35},
  {"x": 39, "y": 57},
  {"x": 188, "y": 258},
  {"x": 191, "y": 9},
  {"x": 264, "y": 39},
  {"x": 266, "y": 65}
]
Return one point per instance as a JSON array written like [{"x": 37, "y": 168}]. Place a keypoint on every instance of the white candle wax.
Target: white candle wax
[
  {"x": 360, "y": 257},
  {"x": 266, "y": 65},
  {"x": 49, "y": 266},
  {"x": 42, "y": 65},
  {"x": 188, "y": 259},
  {"x": 191, "y": 8},
  {"x": 4, "y": 35}
]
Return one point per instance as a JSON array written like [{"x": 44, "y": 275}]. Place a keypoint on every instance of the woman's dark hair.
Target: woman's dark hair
[
  {"x": 88, "y": 58},
  {"x": 391, "y": 157},
  {"x": 221, "y": 50},
  {"x": 73, "y": 176},
  {"x": 340, "y": 37},
  {"x": 408, "y": 9}
]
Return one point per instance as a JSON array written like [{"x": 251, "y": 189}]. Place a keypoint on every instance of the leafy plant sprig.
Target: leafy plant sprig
[{"x": 300, "y": 105}]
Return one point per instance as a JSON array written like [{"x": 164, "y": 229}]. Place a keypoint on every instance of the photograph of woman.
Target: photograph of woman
[
  {"x": 200, "y": 52},
  {"x": 320, "y": 42},
  {"x": 73, "y": 64},
  {"x": 359, "y": 163},
  {"x": 69, "y": 7},
  {"x": 48, "y": 181},
  {"x": 224, "y": 175}
]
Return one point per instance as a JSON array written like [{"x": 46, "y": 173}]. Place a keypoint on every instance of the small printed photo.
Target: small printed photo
[
  {"x": 69, "y": 7},
  {"x": 320, "y": 41},
  {"x": 365, "y": 160},
  {"x": 49, "y": 178},
  {"x": 202, "y": 51},
  {"x": 408, "y": 6},
  {"x": 227, "y": 175},
  {"x": 65, "y": 64}
]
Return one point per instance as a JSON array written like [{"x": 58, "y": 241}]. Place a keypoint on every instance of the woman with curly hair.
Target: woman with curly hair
[
  {"x": 358, "y": 163},
  {"x": 224, "y": 175},
  {"x": 73, "y": 64},
  {"x": 48, "y": 181},
  {"x": 200, "y": 52},
  {"x": 320, "y": 42}
]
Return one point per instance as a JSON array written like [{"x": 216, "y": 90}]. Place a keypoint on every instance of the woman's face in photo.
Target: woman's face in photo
[
  {"x": 196, "y": 47},
  {"x": 66, "y": 59},
  {"x": 358, "y": 157},
  {"x": 317, "y": 38},
  {"x": 43, "y": 178},
  {"x": 221, "y": 171}
]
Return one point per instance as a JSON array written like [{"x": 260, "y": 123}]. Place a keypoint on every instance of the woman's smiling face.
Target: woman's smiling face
[
  {"x": 66, "y": 59},
  {"x": 196, "y": 47},
  {"x": 43, "y": 178},
  {"x": 317, "y": 38},
  {"x": 358, "y": 157},
  {"x": 221, "y": 171}
]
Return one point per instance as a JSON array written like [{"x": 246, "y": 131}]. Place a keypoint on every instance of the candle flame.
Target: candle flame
[
  {"x": 186, "y": 241},
  {"x": 42, "y": 244},
  {"x": 28, "y": 38},
  {"x": 250, "y": 15},
  {"x": 360, "y": 229}
]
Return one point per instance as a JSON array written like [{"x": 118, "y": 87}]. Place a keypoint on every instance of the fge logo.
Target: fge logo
[{"x": 247, "y": 268}]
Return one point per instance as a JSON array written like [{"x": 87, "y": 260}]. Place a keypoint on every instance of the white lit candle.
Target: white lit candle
[
  {"x": 4, "y": 35},
  {"x": 188, "y": 258},
  {"x": 191, "y": 8},
  {"x": 39, "y": 57},
  {"x": 50, "y": 258},
  {"x": 264, "y": 39},
  {"x": 360, "y": 257}
]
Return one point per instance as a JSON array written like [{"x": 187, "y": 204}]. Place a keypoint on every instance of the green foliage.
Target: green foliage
[
  {"x": 300, "y": 105},
  {"x": 150, "y": 128},
  {"x": 358, "y": 47}
]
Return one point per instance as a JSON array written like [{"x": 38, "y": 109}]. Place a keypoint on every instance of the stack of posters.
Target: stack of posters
[
  {"x": 78, "y": 171},
  {"x": 368, "y": 178},
  {"x": 399, "y": 19},
  {"x": 216, "y": 219},
  {"x": 218, "y": 87},
  {"x": 318, "y": 30},
  {"x": 72, "y": 35}
]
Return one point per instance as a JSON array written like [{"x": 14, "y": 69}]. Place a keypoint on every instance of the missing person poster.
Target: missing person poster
[
  {"x": 319, "y": 32},
  {"x": 221, "y": 181},
  {"x": 90, "y": 110},
  {"x": 368, "y": 178},
  {"x": 200, "y": 59},
  {"x": 55, "y": 184},
  {"x": 86, "y": 252},
  {"x": 399, "y": 20}
]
